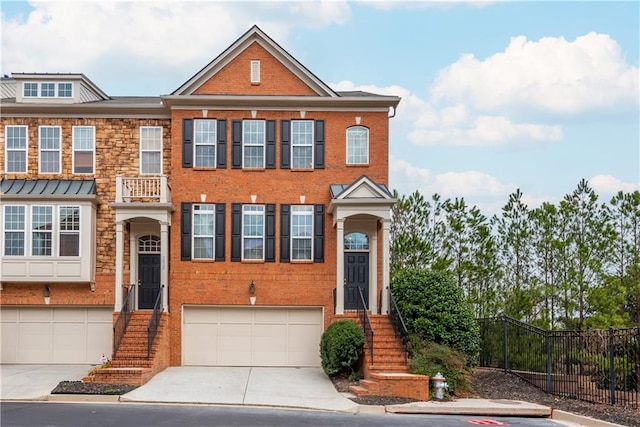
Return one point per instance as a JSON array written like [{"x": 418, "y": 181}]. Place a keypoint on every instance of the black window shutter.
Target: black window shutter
[
  {"x": 236, "y": 232},
  {"x": 319, "y": 145},
  {"x": 221, "y": 148},
  {"x": 318, "y": 233},
  {"x": 271, "y": 144},
  {"x": 185, "y": 231},
  {"x": 285, "y": 144},
  {"x": 187, "y": 143},
  {"x": 236, "y": 144},
  {"x": 220, "y": 225},
  {"x": 285, "y": 233},
  {"x": 270, "y": 233}
]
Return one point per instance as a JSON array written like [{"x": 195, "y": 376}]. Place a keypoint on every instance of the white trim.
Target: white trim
[{"x": 151, "y": 151}]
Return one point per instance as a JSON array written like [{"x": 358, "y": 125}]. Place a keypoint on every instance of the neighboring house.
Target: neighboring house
[{"x": 253, "y": 200}]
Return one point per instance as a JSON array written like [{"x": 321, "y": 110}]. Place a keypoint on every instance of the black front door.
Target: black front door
[
  {"x": 148, "y": 280},
  {"x": 356, "y": 275}
]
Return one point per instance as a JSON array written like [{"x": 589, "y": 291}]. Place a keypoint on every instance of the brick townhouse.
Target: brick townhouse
[{"x": 247, "y": 207}]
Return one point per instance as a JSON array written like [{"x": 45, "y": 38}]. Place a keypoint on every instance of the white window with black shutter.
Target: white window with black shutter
[
  {"x": 253, "y": 144},
  {"x": 204, "y": 143},
  {"x": 301, "y": 233},
  {"x": 202, "y": 231},
  {"x": 302, "y": 144}
]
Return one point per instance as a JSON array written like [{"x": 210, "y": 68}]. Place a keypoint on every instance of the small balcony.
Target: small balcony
[{"x": 142, "y": 190}]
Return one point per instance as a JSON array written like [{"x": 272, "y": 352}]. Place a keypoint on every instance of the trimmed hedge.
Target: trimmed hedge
[{"x": 341, "y": 347}]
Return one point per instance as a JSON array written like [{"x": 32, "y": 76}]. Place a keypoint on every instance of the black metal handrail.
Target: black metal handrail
[
  {"x": 365, "y": 321},
  {"x": 122, "y": 321},
  {"x": 397, "y": 321},
  {"x": 154, "y": 322}
]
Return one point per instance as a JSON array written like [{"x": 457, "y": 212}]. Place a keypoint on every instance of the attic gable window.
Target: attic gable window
[{"x": 255, "y": 71}]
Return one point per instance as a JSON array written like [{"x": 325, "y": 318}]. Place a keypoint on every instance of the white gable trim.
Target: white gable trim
[
  {"x": 255, "y": 35},
  {"x": 363, "y": 187}
]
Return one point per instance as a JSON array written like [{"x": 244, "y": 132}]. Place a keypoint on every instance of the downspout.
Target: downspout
[{"x": 394, "y": 113}]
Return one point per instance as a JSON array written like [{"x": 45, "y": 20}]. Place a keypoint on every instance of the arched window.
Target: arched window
[
  {"x": 356, "y": 242},
  {"x": 149, "y": 244},
  {"x": 357, "y": 145}
]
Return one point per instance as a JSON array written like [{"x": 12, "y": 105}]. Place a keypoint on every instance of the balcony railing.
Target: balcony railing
[{"x": 142, "y": 189}]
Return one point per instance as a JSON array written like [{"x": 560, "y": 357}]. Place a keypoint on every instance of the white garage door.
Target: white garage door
[
  {"x": 55, "y": 335},
  {"x": 251, "y": 336}
]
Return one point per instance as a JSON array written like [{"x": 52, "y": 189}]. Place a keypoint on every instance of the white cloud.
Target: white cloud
[
  {"x": 143, "y": 37},
  {"x": 422, "y": 4},
  {"x": 609, "y": 185},
  {"x": 407, "y": 178},
  {"x": 550, "y": 75}
]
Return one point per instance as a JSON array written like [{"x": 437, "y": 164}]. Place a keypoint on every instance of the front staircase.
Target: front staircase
[
  {"x": 131, "y": 364},
  {"x": 388, "y": 373}
]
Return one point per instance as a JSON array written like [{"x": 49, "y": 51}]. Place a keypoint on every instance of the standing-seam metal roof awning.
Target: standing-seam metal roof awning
[{"x": 48, "y": 187}]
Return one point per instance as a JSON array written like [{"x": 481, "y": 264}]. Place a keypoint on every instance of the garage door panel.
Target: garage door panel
[
  {"x": 55, "y": 334},
  {"x": 252, "y": 336}
]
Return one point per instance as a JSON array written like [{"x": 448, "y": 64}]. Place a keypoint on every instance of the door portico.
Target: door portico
[{"x": 363, "y": 207}]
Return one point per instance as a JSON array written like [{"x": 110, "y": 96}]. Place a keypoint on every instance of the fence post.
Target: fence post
[
  {"x": 612, "y": 367},
  {"x": 505, "y": 330},
  {"x": 547, "y": 339}
]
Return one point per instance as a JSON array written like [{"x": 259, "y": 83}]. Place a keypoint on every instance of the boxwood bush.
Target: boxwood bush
[{"x": 341, "y": 347}]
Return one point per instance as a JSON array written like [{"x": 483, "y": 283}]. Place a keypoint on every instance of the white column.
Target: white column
[
  {"x": 386, "y": 223},
  {"x": 164, "y": 267},
  {"x": 340, "y": 266},
  {"x": 373, "y": 271},
  {"x": 119, "y": 264}
]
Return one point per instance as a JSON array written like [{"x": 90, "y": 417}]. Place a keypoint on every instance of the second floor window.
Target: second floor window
[
  {"x": 14, "y": 230},
  {"x": 41, "y": 230},
  {"x": 151, "y": 150},
  {"x": 253, "y": 232},
  {"x": 302, "y": 144},
  {"x": 253, "y": 142},
  {"x": 203, "y": 231},
  {"x": 204, "y": 138},
  {"x": 83, "y": 149},
  {"x": 357, "y": 145},
  {"x": 49, "y": 143},
  {"x": 16, "y": 149}
]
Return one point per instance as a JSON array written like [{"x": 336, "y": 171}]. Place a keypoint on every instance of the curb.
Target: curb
[
  {"x": 83, "y": 398},
  {"x": 581, "y": 419}
]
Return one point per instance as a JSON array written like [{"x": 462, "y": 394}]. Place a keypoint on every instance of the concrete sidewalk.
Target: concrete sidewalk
[{"x": 35, "y": 382}]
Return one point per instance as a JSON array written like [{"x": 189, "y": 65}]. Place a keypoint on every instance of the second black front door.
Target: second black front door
[
  {"x": 148, "y": 280},
  {"x": 356, "y": 275}
]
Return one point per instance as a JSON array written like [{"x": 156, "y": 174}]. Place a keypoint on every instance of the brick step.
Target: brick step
[
  {"x": 132, "y": 363},
  {"x": 388, "y": 367},
  {"x": 358, "y": 391}
]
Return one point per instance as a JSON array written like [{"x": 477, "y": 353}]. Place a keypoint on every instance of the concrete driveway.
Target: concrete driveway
[
  {"x": 35, "y": 382},
  {"x": 283, "y": 387}
]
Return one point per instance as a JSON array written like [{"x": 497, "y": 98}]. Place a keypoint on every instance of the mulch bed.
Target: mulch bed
[{"x": 79, "y": 387}]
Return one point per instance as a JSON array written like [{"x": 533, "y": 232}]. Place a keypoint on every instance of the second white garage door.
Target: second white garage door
[{"x": 251, "y": 336}]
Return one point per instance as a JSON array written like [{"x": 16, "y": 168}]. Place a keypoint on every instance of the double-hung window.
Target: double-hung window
[
  {"x": 151, "y": 150},
  {"x": 49, "y": 143},
  {"x": 204, "y": 138},
  {"x": 253, "y": 142},
  {"x": 357, "y": 145},
  {"x": 16, "y": 149},
  {"x": 41, "y": 230},
  {"x": 69, "y": 231},
  {"x": 302, "y": 144},
  {"x": 203, "y": 231},
  {"x": 83, "y": 148},
  {"x": 253, "y": 232},
  {"x": 301, "y": 232},
  {"x": 14, "y": 230}
]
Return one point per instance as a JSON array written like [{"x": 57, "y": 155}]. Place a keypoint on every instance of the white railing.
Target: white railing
[{"x": 142, "y": 189}]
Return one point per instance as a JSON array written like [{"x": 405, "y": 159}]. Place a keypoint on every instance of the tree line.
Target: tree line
[{"x": 571, "y": 265}]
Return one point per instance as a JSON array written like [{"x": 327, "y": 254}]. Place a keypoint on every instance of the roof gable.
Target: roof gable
[
  {"x": 361, "y": 188},
  {"x": 254, "y": 42}
]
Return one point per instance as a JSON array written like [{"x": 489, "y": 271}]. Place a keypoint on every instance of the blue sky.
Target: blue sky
[{"x": 496, "y": 96}]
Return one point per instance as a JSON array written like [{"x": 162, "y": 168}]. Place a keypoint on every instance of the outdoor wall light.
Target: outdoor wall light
[
  {"x": 252, "y": 288},
  {"x": 47, "y": 294}
]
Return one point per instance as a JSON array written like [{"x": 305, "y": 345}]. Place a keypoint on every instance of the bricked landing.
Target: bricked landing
[
  {"x": 388, "y": 374},
  {"x": 130, "y": 365}
]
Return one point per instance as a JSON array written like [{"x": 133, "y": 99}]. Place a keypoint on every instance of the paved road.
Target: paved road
[{"x": 36, "y": 414}]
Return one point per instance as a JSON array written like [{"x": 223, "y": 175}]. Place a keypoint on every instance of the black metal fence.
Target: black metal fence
[
  {"x": 601, "y": 366},
  {"x": 365, "y": 321}
]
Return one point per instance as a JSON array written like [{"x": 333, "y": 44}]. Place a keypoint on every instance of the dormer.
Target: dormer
[{"x": 38, "y": 88}]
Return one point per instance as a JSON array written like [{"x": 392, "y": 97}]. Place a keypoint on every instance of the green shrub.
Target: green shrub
[
  {"x": 430, "y": 358},
  {"x": 435, "y": 309},
  {"x": 341, "y": 347}
]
